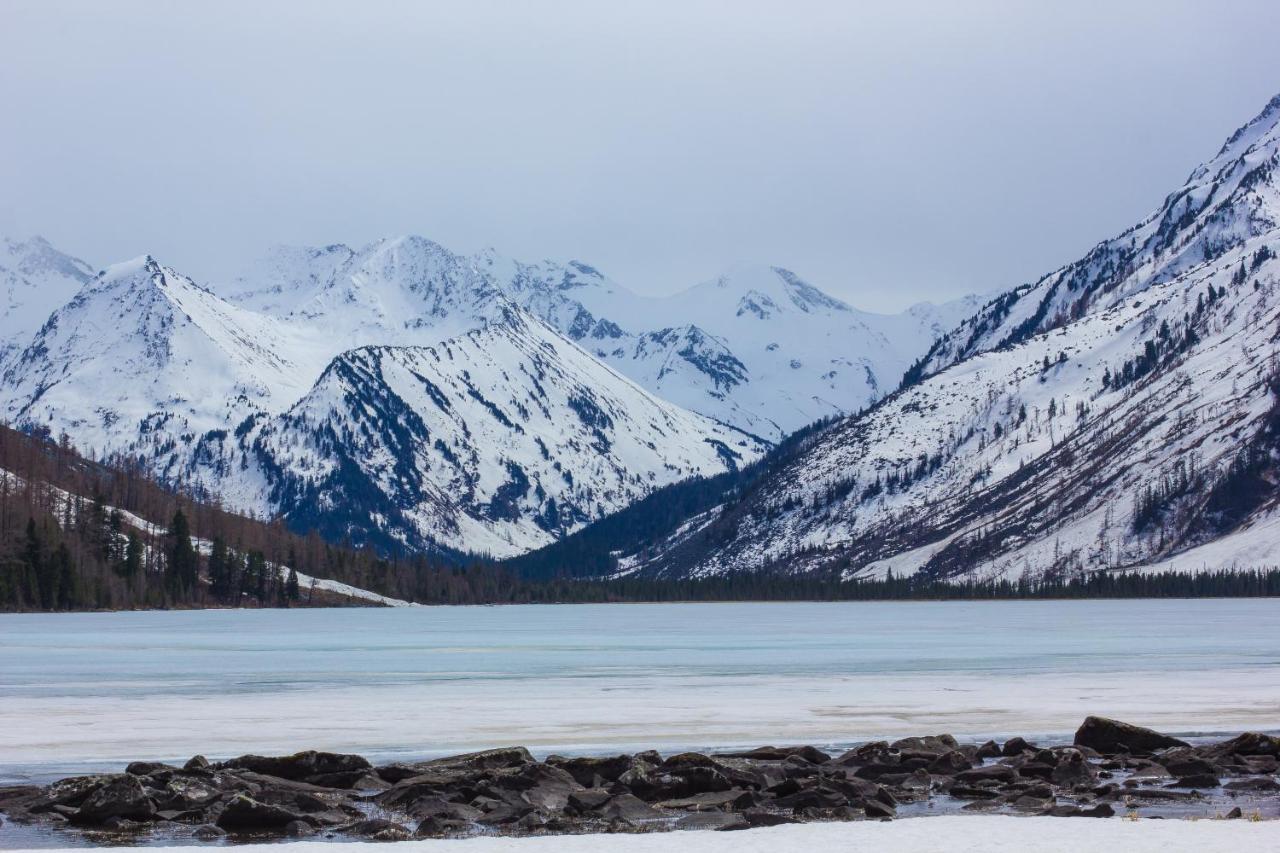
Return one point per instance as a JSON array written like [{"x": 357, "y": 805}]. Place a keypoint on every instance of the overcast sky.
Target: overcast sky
[{"x": 888, "y": 154}]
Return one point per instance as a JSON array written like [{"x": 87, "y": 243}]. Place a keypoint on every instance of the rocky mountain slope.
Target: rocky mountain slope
[
  {"x": 1120, "y": 412},
  {"x": 406, "y": 395},
  {"x": 756, "y": 348},
  {"x": 496, "y": 440}
]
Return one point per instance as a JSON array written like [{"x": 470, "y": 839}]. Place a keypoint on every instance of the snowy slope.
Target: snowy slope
[
  {"x": 142, "y": 358},
  {"x": 756, "y": 348},
  {"x": 35, "y": 279},
  {"x": 496, "y": 441},
  {"x": 1118, "y": 413}
]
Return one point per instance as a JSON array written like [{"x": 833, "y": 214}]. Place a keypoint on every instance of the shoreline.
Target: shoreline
[{"x": 1110, "y": 769}]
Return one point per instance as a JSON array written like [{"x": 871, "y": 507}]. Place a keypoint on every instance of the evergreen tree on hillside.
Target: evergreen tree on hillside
[
  {"x": 131, "y": 566},
  {"x": 184, "y": 565},
  {"x": 292, "y": 593},
  {"x": 219, "y": 569}
]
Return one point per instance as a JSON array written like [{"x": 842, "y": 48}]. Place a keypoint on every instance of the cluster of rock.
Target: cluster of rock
[{"x": 1110, "y": 766}]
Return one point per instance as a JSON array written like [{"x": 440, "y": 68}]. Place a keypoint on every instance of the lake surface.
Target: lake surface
[{"x": 81, "y": 691}]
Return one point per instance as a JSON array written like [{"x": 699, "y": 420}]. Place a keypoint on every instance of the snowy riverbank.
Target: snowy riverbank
[{"x": 962, "y": 834}]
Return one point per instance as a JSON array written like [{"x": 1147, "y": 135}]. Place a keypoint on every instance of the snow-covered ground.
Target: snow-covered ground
[{"x": 963, "y": 834}]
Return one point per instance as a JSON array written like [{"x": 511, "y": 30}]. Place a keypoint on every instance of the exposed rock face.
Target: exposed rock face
[
  {"x": 1111, "y": 736},
  {"x": 508, "y": 791}
]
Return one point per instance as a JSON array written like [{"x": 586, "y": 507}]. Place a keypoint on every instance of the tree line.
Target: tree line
[{"x": 77, "y": 534}]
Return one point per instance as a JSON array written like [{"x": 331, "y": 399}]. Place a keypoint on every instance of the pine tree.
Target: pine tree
[
  {"x": 292, "y": 593},
  {"x": 219, "y": 569},
  {"x": 184, "y": 564},
  {"x": 131, "y": 566}
]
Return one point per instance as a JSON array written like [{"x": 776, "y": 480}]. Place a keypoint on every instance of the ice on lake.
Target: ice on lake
[{"x": 81, "y": 690}]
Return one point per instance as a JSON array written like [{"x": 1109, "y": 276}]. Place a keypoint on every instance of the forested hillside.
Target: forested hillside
[{"x": 77, "y": 534}]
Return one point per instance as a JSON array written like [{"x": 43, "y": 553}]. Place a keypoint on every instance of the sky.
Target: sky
[{"x": 888, "y": 153}]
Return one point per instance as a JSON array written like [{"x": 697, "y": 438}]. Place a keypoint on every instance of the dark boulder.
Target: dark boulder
[
  {"x": 930, "y": 744},
  {"x": 1196, "y": 780},
  {"x": 1109, "y": 737},
  {"x": 589, "y": 772},
  {"x": 300, "y": 765},
  {"x": 589, "y": 800},
  {"x": 1249, "y": 743},
  {"x": 146, "y": 768},
  {"x": 1072, "y": 769},
  {"x": 629, "y": 809},
  {"x": 122, "y": 797},
  {"x": 378, "y": 829},
  {"x": 1015, "y": 746},
  {"x": 987, "y": 750},
  {"x": 1185, "y": 761},
  {"x": 1254, "y": 783},
  {"x": 244, "y": 813},
  {"x": 950, "y": 763}
]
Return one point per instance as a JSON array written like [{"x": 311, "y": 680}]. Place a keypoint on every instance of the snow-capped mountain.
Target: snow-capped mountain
[
  {"x": 496, "y": 440},
  {"x": 142, "y": 358},
  {"x": 757, "y": 348},
  {"x": 35, "y": 278},
  {"x": 1121, "y": 412}
]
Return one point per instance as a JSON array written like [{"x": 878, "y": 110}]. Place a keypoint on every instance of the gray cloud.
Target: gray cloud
[{"x": 889, "y": 154}]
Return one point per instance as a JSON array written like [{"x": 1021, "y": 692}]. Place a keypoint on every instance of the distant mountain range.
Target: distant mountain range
[
  {"x": 1119, "y": 413},
  {"x": 404, "y": 396}
]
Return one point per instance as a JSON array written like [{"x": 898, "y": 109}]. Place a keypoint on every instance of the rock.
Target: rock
[
  {"x": 379, "y": 829},
  {"x": 185, "y": 792},
  {"x": 812, "y": 798},
  {"x": 438, "y": 827},
  {"x": 763, "y": 818},
  {"x": 969, "y": 792},
  {"x": 709, "y": 800},
  {"x": 589, "y": 800},
  {"x": 71, "y": 791},
  {"x": 588, "y": 771},
  {"x": 1249, "y": 743},
  {"x": 1197, "y": 780},
  {"x": 1015, "y": 746},
  {"x": 987, "y": 750},
  {"x": 243, "y": 812},
  {"x": 930, "y": 744},
  {"x": 775, "y": 753},
  {"x": 1109, "y": 737},
  {"x": 712, "y": 820},
  {"x": 146, "y": 768},
  {"x": 1026, "y": 803},
  {"x": 1255, "y": 783},
  {"x": 950, "y": 763},
  {"x": 1073, "y": 769},
  {"x": 987, "y": 773},
  {"x": 629, "y": 809},
  {"x": 300, "y": 765},
  {"x": 196, "y": 762},
  {"x": 875, "y": 752},
  {"x": 878, "y": 810},
  {"x": 122, "y": 797},
  {"x": 208, "y": 832},
  {"x": 299, "y": 829},
  {"x": 1234, "y": 814},
  {"x": 1185, "y": 762}
]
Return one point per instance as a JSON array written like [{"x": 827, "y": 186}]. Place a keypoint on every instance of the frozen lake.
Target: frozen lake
[{"x": 81, "y": 690}]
